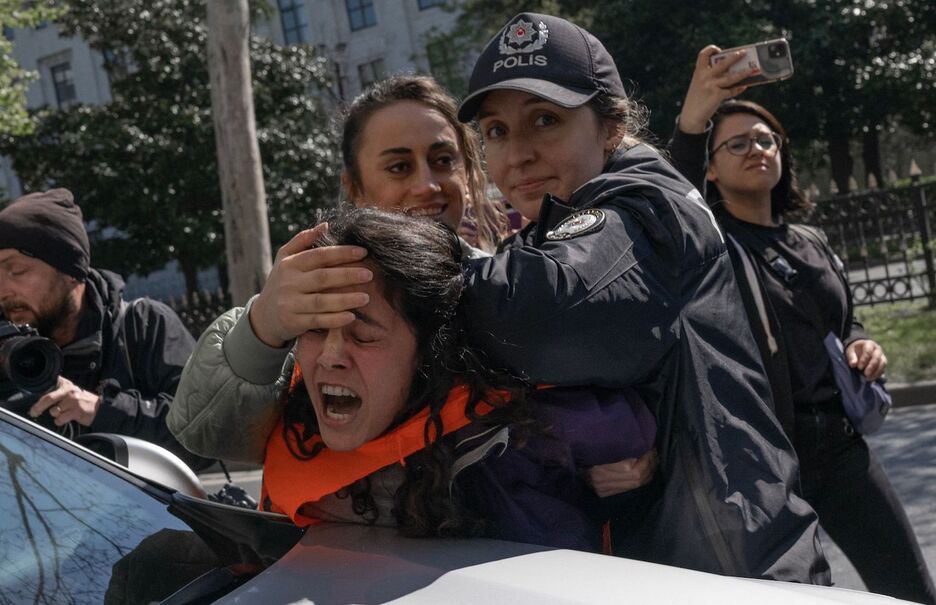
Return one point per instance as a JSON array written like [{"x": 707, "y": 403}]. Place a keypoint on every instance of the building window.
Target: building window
[
  {"x": 361, "y": 14},
  {"x": 8, "y": 32},
  {"x": 444, "y": 67},
  {"x": 64, "y": 84},
  {"x": 293, "y": 17},
  {"x": 424, "y": 4},
  {"x": 370, "y": 72}
]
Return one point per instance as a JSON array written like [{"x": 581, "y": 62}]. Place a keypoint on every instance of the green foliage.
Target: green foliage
[
  {"x": 145, "y": 164},
  {"x": 859, "y": 64},
  {"x": 654, "y": 42},
  {"x": 14, "y": 80},
  {"x": 907, "y": 332}
]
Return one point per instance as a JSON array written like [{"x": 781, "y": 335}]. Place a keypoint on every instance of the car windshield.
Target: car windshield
[{"x": 74, "y": 532}]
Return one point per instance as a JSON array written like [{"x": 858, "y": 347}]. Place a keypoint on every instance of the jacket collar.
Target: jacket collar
[
  {"x": 102, "y": 300},
  {"x": 84, "y": 353},
  {"x": 289, "y": 482}
]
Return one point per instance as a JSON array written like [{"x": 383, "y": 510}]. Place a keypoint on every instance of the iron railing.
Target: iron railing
[
  {"x": 884, "y": 238},
  {"x": 199, "y": 309}
]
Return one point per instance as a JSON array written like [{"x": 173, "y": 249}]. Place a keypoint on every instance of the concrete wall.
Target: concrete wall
[{"x": 42, "y": 49}]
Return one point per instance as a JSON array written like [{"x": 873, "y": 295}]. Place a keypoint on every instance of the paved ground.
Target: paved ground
[
  {"x": 249, "y": 480},
  {"x": 906, "y": 445}
]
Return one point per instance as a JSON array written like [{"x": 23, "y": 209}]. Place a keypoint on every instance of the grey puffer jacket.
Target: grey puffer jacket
[{"x": 226, "y": 404}]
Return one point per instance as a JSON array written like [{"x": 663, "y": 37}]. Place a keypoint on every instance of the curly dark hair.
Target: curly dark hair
[
  {"x": 785, "y": 197},
  {"x": 417, "y": 263}
]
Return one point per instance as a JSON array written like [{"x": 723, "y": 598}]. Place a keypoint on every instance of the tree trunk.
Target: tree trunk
[
  {"x": 871, "y": 156},
  {"x": 246, "y": 229},
  {"x": 190, "y": 273},
  {"x": 840, "y": 161}
]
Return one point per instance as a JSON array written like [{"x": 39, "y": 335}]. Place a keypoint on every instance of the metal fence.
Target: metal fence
[
  {"x": 885, "y": 240},
  {"x": 199, "y": 309}
]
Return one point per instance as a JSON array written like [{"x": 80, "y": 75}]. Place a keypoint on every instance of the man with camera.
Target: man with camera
[{"x": 121, "y": 359}]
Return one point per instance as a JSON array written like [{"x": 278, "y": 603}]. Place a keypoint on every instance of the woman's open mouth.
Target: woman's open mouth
[{"x": 339, "y": 403}]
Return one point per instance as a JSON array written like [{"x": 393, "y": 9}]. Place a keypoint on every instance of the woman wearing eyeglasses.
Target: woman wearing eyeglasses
[{"x": 794, "y": 290}]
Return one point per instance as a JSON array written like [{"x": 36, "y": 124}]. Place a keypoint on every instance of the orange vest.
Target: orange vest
[{"x": 290, "y": 482}]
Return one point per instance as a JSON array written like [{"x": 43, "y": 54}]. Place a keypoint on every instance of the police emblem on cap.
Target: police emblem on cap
[
  {"x": 523, "y": 37},
  {"x": 578, "y": 224}
]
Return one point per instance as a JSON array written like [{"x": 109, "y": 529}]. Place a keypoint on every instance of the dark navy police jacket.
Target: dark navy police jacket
[{"x": 649, "y": 301}]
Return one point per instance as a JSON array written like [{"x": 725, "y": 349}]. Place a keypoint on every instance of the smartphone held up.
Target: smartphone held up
[{"x": 767, "y": 61}]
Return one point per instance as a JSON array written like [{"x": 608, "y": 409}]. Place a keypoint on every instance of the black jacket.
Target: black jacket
[
  {"x": 132, "y": 353},
  {"x": 648, "y": 300},
  {"x": 689, "y": 157}
]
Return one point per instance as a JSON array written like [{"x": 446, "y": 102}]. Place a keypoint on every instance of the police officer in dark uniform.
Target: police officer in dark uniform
[{"x": 623, "y": 279}]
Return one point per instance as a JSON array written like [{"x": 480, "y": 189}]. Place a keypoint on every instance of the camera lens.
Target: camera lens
[
  {"x": 776, "y": 50},
  {"x": 30, "y": 363}
]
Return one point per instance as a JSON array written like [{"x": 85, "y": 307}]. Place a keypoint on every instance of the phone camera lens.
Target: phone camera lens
[{"x": 775, "y": 51}]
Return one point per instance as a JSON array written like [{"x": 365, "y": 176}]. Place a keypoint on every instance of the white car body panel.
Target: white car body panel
[{"x": 571, "y": 577}]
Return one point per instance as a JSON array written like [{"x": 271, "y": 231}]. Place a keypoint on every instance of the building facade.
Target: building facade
[
  {"x": 363, "y": 41},
  {"x": 69, "y": 73}
]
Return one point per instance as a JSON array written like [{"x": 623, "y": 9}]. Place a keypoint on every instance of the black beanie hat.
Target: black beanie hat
[{"x": 48, "y": 226}]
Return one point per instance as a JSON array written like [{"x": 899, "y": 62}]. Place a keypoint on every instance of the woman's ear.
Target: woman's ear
[
  {"x": 711, "y": 174},
  {"x": 613, "y": 135}
]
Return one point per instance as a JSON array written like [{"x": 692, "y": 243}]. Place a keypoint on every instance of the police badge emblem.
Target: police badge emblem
[
  {"x": 580, "y": 223},
  {"x": 523, "y": 37}
]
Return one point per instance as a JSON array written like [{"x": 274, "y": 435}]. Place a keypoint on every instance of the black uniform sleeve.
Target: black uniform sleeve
[
  {"x": 856, "y": 332},
  {"x": 687, "y": 153},
  {"x": 157, "y": 346},
  {"x": 600, "y": 308}
]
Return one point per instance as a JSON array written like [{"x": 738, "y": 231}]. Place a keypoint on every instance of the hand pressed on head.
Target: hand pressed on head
[{"x": 295, "y": 300}]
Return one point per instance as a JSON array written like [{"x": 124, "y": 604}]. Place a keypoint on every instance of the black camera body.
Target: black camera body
[{"x": 29, "y": 365}]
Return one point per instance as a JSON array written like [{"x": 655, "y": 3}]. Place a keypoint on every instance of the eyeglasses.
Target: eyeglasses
[{"x": 741, "y": 144}]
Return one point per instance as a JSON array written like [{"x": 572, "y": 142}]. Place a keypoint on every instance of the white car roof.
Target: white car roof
[
  {"x": 360, "y": 564},
  {"x": 567, "y": 577}
]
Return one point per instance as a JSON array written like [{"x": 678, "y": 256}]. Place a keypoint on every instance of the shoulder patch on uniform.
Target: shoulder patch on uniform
[{"x": 580, "y": 223}]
